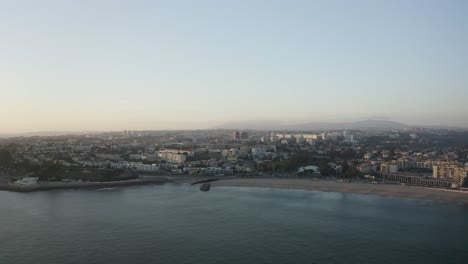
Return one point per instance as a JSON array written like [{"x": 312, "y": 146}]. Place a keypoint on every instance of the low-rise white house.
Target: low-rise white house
[
  {"x": 137, "y": 166},
  {"x": 27, "y": 181}
]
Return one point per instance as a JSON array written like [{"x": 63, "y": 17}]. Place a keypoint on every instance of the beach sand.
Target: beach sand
[{"x": 351, "y": 187}]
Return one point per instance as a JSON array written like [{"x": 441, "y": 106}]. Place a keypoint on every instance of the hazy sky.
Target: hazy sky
[{"x": 111, "y": 65}]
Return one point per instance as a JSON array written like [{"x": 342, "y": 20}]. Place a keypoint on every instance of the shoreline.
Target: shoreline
[
  {"x": 47, "y": 186},
  {"x": 392, "y": 190},
  {"x": 362, "y": 188}
]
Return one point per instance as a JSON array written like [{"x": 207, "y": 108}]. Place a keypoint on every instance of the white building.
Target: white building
[
  {"x": 257, "y": 151},
  {"x": 368, "y": 156},
  {"x": 262, "y": 150},
  {"x": 231, "y": 152},
  {"x": 309, "y": 169},
  {"x": 27, "y": 181},
  {"x": 172, "y": 157},
  {"x": 138, "y": 166},
  {"x": 366, "y": 167}
]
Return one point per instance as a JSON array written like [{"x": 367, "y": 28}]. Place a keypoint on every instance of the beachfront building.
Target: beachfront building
[
  {"x": 217, "y": 171},
  {"x": 458, "y": 173},
  {"x": 419, "y": 180},
  {"x": 387, "y": 167},
  {"x": 408, "y": 163}
]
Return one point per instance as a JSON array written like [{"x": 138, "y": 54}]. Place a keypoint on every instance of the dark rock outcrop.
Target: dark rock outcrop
[{"x": 205, "y": 187}]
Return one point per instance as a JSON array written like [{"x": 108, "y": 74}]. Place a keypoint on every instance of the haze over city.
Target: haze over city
[
  {"x": 233, "y": 131},
  {"x": 112, "y": 65}
]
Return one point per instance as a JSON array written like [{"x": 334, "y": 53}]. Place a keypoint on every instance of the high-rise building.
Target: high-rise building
[{"x": 236, "y": 135}]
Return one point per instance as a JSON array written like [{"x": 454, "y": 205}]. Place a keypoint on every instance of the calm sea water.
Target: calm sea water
[{"x": 180, "y": 224}]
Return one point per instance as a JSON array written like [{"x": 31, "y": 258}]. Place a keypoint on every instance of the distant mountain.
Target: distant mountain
[
  {"x": 313, "y": 126},
  {"x": 48, "y": 133},
  {"x": 455, "y": 128},
  {"x": 255, "y": 125}
]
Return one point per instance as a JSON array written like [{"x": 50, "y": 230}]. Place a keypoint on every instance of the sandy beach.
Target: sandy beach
[
  {"x": 352, "y": 187},
  {"x": 363, "y": 188}
]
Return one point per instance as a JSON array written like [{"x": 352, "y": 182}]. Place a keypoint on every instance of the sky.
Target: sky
[{"x": 112, "y": 65}]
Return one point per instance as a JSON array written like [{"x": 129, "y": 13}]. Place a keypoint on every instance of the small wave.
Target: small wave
[{"x": 106, "y": 189}]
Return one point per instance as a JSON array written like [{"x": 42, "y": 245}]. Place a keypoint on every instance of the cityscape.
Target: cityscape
[
  {"x": 435, "y": 158},
  {"x": 227, "y": 132}
]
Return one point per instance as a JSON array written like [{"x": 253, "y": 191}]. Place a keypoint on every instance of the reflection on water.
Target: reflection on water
[{"x": 176, "y": 223}]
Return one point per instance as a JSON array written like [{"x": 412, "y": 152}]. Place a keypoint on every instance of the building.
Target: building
[
  {"x": 366, "y": 167},
  {"x": 27, "y": 181},
  {"x": 137, "y": 166},
  {"x": 231, "y": 152},
  {"x": 328, "y": 137},
  {"x": 172, "y": 157},
  {"x": 349, "y": 138},
  {"x": 386, "y": 167},
  {"x": 309, "y": 170},
  {"x": 418, "y": 180},
  {"x": 263, "y": 149},
  {"x": 368, "y": 156},
  {"x": 188, "y": 152},
  {"x": 236, "y": 135},
  {"x": 257, "y": 151},
  {"x": 458, "y": 173},
  {"x": 231, "y": 159},
  {"x": 217, "y": 171}
]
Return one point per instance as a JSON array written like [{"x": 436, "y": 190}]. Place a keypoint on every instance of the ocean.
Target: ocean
[{"x": 177, "y": 223}]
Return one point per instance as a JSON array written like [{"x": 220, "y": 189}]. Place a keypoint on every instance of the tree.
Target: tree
[
  {"x": 53, "y": 171},
  {"x": 6, "y": 158},
  {"x": 11, "y": 148},
  {"x": 344, "y": 168},
  {"x": 323, "y": 167}
]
